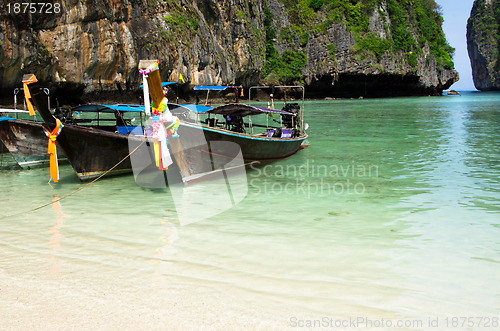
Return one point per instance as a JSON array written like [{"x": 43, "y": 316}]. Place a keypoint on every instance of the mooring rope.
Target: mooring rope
[{"x": 78, "y": 190}]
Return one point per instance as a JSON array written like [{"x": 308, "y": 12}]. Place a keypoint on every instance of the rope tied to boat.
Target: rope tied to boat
[
  {"x": 28, "y": 79},
  {"x": 75, "y": 191},
  {"x": 52, "y": 149}
]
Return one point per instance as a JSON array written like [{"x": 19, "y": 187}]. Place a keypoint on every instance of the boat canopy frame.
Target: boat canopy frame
[
  {"x": 17, "y": 111},
  {"x": 116, "y": 109},
  {"x": 209, "y": 88},
  {"x": 94, "y": 107},
  {"x": 283, "y": 86}
]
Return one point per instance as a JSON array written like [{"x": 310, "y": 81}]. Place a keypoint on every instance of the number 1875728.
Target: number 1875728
[{"x": 33, "y": 8}]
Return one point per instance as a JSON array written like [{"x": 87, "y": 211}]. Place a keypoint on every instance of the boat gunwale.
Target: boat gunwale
[
  {"x": 303, "y": 135},
  {"x": 183, "y": 123}
]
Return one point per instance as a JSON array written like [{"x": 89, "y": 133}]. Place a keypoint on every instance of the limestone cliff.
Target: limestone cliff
[
  {"x": 483, "y": 44},
  {"x": 376, "y": 48},
  {"x": 90, "y": 46}
]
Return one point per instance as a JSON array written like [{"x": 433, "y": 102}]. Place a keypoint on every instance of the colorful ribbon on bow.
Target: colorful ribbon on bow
[
  {"x": 28, "y": 79},
  {"x": 149, "y": 69},
  {"x": 52, "y": 150},
  {"x": 162, "y": 156},
  {"x": 164, "y": 125}
]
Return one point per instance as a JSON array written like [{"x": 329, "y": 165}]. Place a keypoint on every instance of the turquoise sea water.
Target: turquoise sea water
[{"x": 392, "y": 215}]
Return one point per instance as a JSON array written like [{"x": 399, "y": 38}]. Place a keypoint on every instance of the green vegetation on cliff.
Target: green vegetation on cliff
[
  {"x": 486, "y": 19},
  {"x": 280, "y": 68},
  {"x": 181, "y": 24},
  {"x": 408, "y": 26}
]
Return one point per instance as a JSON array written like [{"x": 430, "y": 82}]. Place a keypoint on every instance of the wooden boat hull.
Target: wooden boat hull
[
  {"x": 3, "y": 149},
  {"x": 93, "y": 152},
  {"x": 26, "y": 142},
  {"x": 253, "y": 148}
]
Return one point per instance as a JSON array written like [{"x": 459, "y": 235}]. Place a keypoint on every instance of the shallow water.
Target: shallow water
[{"x": 392, "y": 214}]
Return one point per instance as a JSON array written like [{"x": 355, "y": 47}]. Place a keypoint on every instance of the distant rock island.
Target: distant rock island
[
  {"x": 483, "y": 44},
  {"x": 335, "y": 48}
]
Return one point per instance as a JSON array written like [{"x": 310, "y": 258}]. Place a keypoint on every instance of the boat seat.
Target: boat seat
[
  {"x": 286, "y": 133},
  {"x": 274, "y": 133}
]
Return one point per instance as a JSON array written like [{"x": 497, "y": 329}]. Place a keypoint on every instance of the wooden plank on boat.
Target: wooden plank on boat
[{"x": 156, "y": 92}]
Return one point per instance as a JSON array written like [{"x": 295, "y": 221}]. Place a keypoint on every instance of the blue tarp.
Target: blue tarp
[
  {"x": 213, "y": 87},
  {"x": 127, "y": 107},
  {"x": 162, "y": 84},
  {"x": 6, "y": 118},
  {"x": 125, "y": 129}
]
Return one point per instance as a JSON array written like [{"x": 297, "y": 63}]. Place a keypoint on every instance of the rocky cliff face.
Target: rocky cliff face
[
  {"x": 336, "y": 67},
  {"x": 483, "y": 44},
  {"x": 91, "y": 46},
  {"x": 94, "y": 46}
]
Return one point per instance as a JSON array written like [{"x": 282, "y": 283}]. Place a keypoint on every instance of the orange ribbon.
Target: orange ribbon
[
  {"x": 52, "y": 135},
  {"x": 27, "y": 94}
]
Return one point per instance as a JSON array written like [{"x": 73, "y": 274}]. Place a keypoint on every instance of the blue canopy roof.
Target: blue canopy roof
[
  {"x": 137, "y": 108},
  {"x": 213, "y": 87},
  {"x": 6, "y": 118}
]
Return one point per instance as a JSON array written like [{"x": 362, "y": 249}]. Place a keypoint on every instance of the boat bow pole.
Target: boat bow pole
[{"x": 150, "y": 69}]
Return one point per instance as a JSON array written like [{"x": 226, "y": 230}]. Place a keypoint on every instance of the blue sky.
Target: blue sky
[{"x": 455, "y": 14}]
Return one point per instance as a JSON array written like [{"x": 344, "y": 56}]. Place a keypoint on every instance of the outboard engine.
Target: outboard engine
[
  {"x": 235, "y": 123},
  {"x": 65, "y": 115},
  {"x": 290, "y": 120}
]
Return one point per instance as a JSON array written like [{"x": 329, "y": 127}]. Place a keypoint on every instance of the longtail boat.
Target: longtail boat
[
  {"x": 93, "y": 149},
  {"x": 23, "y": 137},
  {"x": 214, "y": 137},
  {"x": 3, "y": 148},
  {"x": 205, "y": 138},
  {"x": 259, "y": 142},
  {"x": 25, "y": 141}
]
